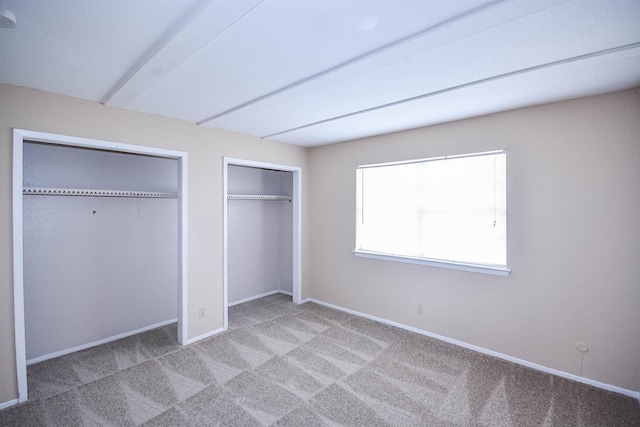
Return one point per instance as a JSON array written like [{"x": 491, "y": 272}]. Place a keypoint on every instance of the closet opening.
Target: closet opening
[
  {"x": 262, "y": 237},
  {"x": 99, "y": 244}
]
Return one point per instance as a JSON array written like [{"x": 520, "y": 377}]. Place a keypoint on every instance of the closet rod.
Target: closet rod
[
  {"x": 87, "y": 192},
  {"x": 257, "y": 197}
]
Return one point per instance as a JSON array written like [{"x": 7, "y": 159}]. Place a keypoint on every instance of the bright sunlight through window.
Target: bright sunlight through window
[{"x": 446, "y": 210}]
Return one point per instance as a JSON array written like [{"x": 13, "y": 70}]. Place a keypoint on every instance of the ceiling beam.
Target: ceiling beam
[
  {"x": 458, "y": 27},
  {"x": 203, "y": 23},
  {"x": 606, "y": 55}
]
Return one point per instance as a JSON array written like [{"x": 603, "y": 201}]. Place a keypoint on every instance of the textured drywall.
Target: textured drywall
[
  {"x": 40, "y": 111},
  {"x": 260, "y": 239},
  {"x": 88, "y": 259},
  {"x": 573, "y": 196}
]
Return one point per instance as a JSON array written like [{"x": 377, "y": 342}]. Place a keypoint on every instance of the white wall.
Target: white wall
[
  {"x": 260, "y": 233},
  {"x": 92, "y": 263},
  {"x": 573, "y": 195},
  {"x": 65, "y": 166}
]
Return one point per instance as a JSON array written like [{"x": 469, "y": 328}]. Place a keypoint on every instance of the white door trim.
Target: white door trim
[
  {"x": 297, "y": 225},
  {"x": 19, "y": 136}
]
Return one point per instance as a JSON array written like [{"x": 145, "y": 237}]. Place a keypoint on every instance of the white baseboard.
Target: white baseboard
[
  {"x": 251, "y": 298},
  {"x": 99, "y": 342},
  {"x": 598, "y": 384},
  {"x": 5, "y": 405},
  {"x": 219, "y": 330},
  {"x": 203, "y": 336}
]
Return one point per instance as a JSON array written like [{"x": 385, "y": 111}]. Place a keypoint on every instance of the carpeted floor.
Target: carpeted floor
[{"x": 308, "y": 365}]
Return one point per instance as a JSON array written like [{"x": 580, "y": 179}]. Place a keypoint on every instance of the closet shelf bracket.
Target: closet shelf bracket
[{"x": 87, "y": 192}]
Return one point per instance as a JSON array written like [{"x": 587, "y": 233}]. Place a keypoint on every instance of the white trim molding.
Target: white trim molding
[
  {"x": 598, "y": 384},
  {"x": 18, "y": 265},
  {"x": 451, "y": 265},
  {"x": 203, "y": 336},
  {"x": 19, "y": 137},
  {"x": 100, "y": 342},
  {"x": 251, "y": 298},
  {"x": 8, "y": 404}
]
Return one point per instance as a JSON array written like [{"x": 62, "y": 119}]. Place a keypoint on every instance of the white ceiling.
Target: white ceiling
[{"x": 313, "y": 72}]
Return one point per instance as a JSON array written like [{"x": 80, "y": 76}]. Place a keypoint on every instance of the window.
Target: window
[{"x": 445, "y": 211}]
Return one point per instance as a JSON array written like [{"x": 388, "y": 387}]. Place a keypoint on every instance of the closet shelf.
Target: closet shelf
[
  {"x": 257, "y": 197},
  {"x": 87, "y": 192}
]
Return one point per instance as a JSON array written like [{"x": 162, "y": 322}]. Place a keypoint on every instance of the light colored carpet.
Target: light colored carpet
[{"x": 286, "y": 365}]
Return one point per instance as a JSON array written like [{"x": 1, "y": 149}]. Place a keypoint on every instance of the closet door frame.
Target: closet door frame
[
  {"x": 297, "y": 225},
  {"x": 19, "y": 137}
]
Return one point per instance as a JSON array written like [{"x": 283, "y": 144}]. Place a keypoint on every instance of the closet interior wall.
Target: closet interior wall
[
  {"x": 96, "y": 267},
  {"x": 260, "y": 239}
]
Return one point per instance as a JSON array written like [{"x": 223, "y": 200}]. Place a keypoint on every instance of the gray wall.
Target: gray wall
[
  {"x": 96, "y": 267},
  {"x": 260, "y": 250}
]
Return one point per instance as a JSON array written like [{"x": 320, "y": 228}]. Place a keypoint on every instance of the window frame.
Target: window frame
[{"x": 497, "y": 270}]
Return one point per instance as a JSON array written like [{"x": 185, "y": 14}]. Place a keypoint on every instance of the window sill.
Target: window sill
[{"x": 484, "y": 269}]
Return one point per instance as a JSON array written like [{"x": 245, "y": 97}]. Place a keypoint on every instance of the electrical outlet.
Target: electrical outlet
[
  {"x": 420, "y": 309},
  {"x": 202, "y": 312}
]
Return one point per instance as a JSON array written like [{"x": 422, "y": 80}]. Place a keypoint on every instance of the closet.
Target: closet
[
  {"x": 100, "y": 245},
  {"x": 260, "y": 227}
]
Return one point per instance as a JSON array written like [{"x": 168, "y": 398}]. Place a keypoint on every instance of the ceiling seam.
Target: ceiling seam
[
  {"x": 353, "y": 60},
  {"x": 175, "y": 29},
  {"x": 227, "y": 28},
  {"x": 463, "y": 86}
]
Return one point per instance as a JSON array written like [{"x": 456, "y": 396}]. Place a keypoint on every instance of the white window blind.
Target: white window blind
[{"x": 450, "y": 209}]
